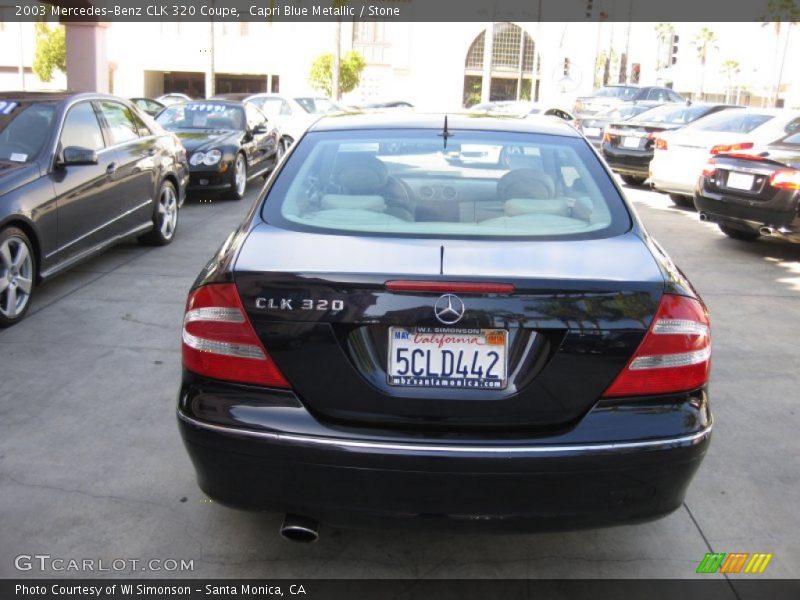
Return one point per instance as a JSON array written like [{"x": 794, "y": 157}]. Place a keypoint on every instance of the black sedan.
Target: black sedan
[
  {"x": 628, "y": 146},
  {"x": 753, "y": 194},
  {"x": 594, "y": 126},
  {"x": 78, "y": 172},
  {"x": 228, "y": 142},
  {"x": 400, "y": 339}
]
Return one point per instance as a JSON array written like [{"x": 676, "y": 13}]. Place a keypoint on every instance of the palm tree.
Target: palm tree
[
  {"x": 781, "y": 12},
  {"x": 729, "y": 68},
  {"x": 664, "y": 33},
  {"x": 703, "y": 41}
]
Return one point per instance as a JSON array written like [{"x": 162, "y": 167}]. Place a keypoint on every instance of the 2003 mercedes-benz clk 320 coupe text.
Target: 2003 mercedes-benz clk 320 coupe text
[{"x": 475, "y": 331}]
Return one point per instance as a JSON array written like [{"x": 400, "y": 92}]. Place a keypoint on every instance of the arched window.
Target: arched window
[{"x": 511, "y": 70}]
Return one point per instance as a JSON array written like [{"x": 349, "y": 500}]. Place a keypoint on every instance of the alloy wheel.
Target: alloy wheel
[
  {"x": 16, "y": 276},
  {"x": 167, "y": 212}
]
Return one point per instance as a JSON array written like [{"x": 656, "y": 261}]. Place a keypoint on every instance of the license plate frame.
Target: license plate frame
[
  {"x": 632, "y": 143},
  {"x": 740, "y": 181},
  {"x": 430, "y": 368}
]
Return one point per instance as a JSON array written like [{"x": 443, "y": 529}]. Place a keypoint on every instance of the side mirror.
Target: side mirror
[
  {"x": 77, "y": 155},
  {"x": 260, "y": 129}
]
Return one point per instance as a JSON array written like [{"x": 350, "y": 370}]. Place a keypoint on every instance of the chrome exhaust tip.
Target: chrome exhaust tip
[
  {"x": 703, "y": 216},
  {"x": 767, "y": 231},
  {"x": 299, "y": 529}
]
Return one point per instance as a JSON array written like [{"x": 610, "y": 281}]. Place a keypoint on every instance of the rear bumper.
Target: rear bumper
[
  {"x": 628, "y": 163},
  {"x": 781, "y": 214},
  {"x": 341, "y": 477}
]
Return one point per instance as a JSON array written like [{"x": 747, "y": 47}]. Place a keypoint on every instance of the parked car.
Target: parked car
[
  {"x": 681, "y": 155},
  {"x": 228, "y": 143},
  {"x": 148, "y": 105},
  {"x": 78, "y": 173},
  {"x": 750, "y": 194},
  {"x": 593, "y": 127},
  {"x": 386, "y": 105},
  {"x": 405, "y": 339},
  {"x": 628, "y": 145},
  {"x": 521, "y": 108},
  {"x": 616, "y": 95},
  {"x": 173, "y": 98},
  {"x": 294, "y": 114}
]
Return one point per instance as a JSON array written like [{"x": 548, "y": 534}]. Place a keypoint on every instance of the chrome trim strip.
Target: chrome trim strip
[
  {"x": 94, "y": 249},
  {"x": 345, "y": 444},
  {"x": 96, "y": 229}
]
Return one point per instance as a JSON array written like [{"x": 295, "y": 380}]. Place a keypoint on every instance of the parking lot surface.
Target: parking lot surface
[{"x": 92, "y": 467}]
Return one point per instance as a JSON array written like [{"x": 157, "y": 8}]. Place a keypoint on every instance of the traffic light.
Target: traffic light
[
  {"x": 636, "y": 71},
  {"x": 674, "y": 55},
  {"x": 566, "y": 67}
]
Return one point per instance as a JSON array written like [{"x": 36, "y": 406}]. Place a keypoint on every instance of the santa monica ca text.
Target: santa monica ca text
[{"x": 142, "y": 589}]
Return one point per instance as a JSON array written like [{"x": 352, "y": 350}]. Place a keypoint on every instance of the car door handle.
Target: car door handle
[{"x": 111, "y": 169}]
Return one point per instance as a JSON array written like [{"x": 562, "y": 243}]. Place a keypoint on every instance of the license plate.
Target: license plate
[
  {"x": 591, "y": 131},
  {"x": 448, "y": 358},
  {"x": 740, "y": 181},
  {"x": 630, "y": 142}
]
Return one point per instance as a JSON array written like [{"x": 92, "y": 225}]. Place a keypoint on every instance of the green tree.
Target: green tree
[
  {"x": 350, "y": 68},
  {"x": 703, "y": 41},
  {"x": 51, "y": 51}
]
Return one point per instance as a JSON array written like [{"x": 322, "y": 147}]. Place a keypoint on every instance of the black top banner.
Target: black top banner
[{"x": 401, "y": 10}]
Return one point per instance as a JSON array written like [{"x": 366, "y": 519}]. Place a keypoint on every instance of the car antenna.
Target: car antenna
[{"x": 445, "y": 133}]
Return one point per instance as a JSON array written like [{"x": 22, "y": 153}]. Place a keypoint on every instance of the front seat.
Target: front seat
[{"x": 360, "y": 174}]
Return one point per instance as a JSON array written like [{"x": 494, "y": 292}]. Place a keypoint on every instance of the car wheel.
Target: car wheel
[
  {"x": 681, "y": 200},
  {"x": 239, "y": 179},
  {"x": 17, "y": 275},
  {"x": 165, "y": 217},
  {"x": 633, "y": 180},
  {"x": 738, "y": 234}
]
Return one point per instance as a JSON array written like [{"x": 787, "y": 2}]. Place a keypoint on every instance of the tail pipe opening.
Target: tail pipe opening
[
  {"x": 299, "y": 529},
  {"x": 703, "y": 216}
]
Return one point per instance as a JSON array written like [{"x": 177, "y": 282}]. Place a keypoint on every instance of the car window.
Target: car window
[
  {"x": 273, "y": 107},
  {"x": 81, "y": 128},
  {"x": 202, "y": 115},
  {"x": 731, "y": 121},
  {"x": 119, "y": 119},
  {"x": 24, "y": 129},
  {"x": 405, "y": 183},
  {"x": 793, "y": 139},
  {"x": 672, "y": 115},
  {"x": 674, "y": 97},
  {"x": 792, "y": 126},
  {"x": 618, "y": 91},
  {"x": 142, "y": 128},
  {"x": 254, "y": 116}
]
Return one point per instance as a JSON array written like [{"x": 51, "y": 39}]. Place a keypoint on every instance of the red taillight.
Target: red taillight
[
  {"x": 454, "y": 287},
  {"x": 719, "y": 149},
  {"x": 710, "y": 168},
  {"x": 219, "y": 342},
  {"x": 661, "y": 143},
  {"x": 674, "y": 355},
  {"x": 785, "y": 179}
]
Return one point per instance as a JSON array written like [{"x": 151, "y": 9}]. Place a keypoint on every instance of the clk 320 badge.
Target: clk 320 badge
[{"x": 304, "y": 304}]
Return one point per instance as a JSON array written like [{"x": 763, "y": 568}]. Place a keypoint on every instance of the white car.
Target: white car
[
  {"x": 680, "y": 155},
  {"x": 521, "y": 108},
  {"x": 173, "y": 98},
  {"x": 292, "y": 115}
]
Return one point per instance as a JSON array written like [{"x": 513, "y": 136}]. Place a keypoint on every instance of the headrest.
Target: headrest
[
  {"x": 360, "y": 173},
  {"x": 550, "y": 206},
  {"x": 525, "y": 183}
]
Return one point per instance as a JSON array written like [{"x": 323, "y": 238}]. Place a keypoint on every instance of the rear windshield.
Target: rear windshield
[
  {"x": 618, "y": 91},
  {"x": 406, "y": 183},
  {"x": 732, "y": 121},
  {"x": 792, "y": 139},
  {"x": 623, "y": 112},
  {"x": 672, "y": 115},
  {"x": 24, "y": 128}
]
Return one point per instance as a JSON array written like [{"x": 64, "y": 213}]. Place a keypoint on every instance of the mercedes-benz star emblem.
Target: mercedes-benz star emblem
[{"x": 449, "y": 309}]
